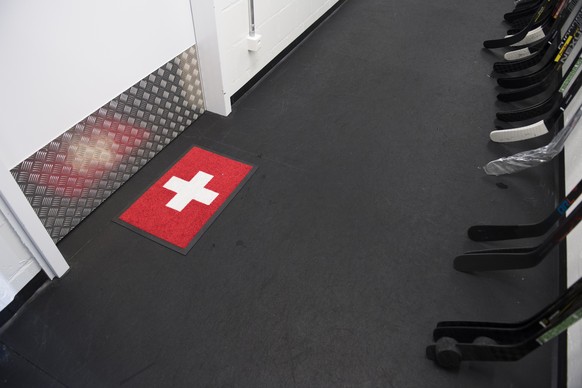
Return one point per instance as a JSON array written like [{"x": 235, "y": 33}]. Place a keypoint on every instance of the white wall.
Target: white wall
[
  {"x": 63, "y": 59},
  {"x": 279, "y": 22},
  {"x": 573, "y": 155}
]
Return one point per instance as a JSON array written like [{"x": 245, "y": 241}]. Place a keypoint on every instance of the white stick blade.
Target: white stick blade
[
  {"x": 521, "y": 133},
  {"x": 517, "y": 54}
]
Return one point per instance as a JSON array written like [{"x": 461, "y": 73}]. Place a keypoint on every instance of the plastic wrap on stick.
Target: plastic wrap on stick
[{"x": 527, "y": 159}]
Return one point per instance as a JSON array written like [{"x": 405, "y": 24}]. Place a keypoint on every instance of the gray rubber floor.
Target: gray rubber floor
[{"x": 333, "y": 264}]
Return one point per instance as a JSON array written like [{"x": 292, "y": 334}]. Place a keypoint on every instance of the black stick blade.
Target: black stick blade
[
  {"x": 506, "y": 232},
  {"x": 473, "y": 333},
  {"x": 531, "y": 112},
  {"x": 504, "y": 42},
  {"x": 527, "y": 80},
  {"x": 503, "y": 250},
  {"x": 479, "y": 352},
  {"x": 552, "y": 82},
  {"x": 480, "y": 262},
  {"x": 481, "y": 324}
]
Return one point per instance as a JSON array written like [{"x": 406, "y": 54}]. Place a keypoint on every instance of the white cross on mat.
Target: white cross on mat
[{"x": 186, "y": 192}]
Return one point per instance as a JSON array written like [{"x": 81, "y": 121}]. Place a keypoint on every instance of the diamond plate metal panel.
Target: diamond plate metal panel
[{"x": 73, "y": 174}]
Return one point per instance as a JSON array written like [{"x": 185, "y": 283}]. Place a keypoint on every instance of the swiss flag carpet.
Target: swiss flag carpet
[{"x": 182, "y": 204}]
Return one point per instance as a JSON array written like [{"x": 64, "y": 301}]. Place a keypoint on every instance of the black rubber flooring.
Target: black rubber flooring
[{"x": 333, "y": 264}]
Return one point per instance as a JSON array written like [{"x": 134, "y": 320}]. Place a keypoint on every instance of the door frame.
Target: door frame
[{"x": 27, "y": 225}]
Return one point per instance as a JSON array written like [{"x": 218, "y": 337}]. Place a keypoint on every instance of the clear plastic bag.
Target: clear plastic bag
[{"x": 527, "y": 159}]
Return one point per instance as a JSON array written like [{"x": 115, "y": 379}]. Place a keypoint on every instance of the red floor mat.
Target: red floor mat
[{"x": 182, "y": 204}]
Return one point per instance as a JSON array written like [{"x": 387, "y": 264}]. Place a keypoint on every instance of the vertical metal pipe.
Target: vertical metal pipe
[{"x": 252, "y": 29}]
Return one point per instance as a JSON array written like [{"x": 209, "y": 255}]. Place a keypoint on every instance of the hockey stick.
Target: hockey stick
[
  {"x": 551, "y": 82},
  {"x": 525, "y": 52},
  {"x": 550, "y": 103},
  {"x": 518, "y": 24},
  {"x": 545, "y": 26},
  {"x": 544, "y": 50},
  {"x": 449, "y": 353},
  {"x": 545, "y": 53},
  {"x": 540, "y": 16},
  {"x": 510, "y": 232},
  {"x": 531, "y": 158},
  {"x": 573, "y": 291},
  {"x": 542, "y": 127},
  {"x": 521, "y": 3},
  {"x": 467, "y": 331},
  {"x": 565, "y": 47},
  {"x": 536, "y": 34},
  {"x": 517, "y": 258},
  {"x": 521, "y": 23},
  {"x": 530, "y": 112},
  {"x": 500, "y": 335},
  {"x": 523, "y": 11}
]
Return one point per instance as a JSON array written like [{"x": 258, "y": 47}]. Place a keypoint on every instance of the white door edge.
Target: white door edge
[{"x": 28, "y": 226}]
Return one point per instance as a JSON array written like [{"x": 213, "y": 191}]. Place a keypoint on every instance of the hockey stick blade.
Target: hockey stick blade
[
  {"x": 500, "y": 335},
  {"x": 505, "y": 232},
  {"x": 510, "y": 232},
  {"x": 532, "y": 36},
  {"x": 526, "y": 80},
  {"x": 551, "y": 82},
  {"x": 522, "y": 133},
  {"x": 531, "y": 112},
  {"x": 479, "y": 262},
  {"x": 518, "y": 54}
]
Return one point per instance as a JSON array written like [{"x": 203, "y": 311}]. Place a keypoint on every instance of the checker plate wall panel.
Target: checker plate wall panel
[{"x": 73, "y": 174}]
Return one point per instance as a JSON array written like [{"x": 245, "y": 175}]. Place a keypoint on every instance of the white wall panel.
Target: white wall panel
[{"x": 63, "y": 59}]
